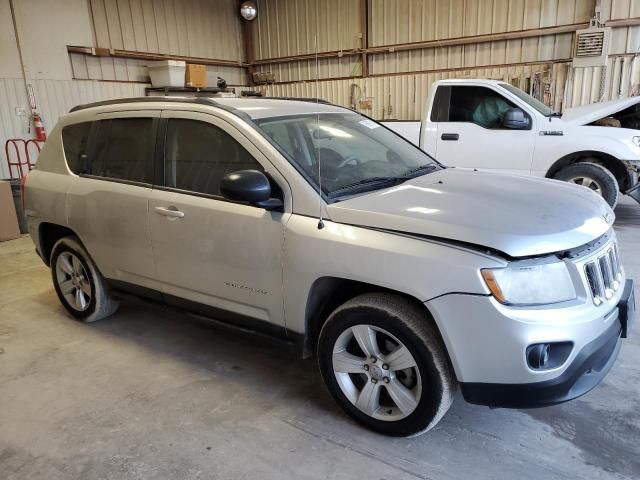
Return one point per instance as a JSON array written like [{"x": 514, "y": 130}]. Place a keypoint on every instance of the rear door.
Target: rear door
[
  {"x": 108, "y": 203},
  {"x": 213, "y": 254},
  {"x": 470, "y": 132}
]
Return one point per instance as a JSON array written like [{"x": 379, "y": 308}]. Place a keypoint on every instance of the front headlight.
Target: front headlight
[
  {"x": 636, "y": 141},
  {"x": 530, "y": 283}
]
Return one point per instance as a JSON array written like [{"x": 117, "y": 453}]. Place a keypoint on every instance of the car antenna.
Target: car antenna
[{"x": 320, "y": 221}]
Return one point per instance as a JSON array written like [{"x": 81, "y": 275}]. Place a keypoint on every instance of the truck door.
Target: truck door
[{"x": 470, "y": 133}]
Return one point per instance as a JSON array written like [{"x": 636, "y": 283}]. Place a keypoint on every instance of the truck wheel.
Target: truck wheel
[
  {"x": 384, "y": 364},
  {"x": 78, "y": 283},
  {"x": 593, "y": 176}
]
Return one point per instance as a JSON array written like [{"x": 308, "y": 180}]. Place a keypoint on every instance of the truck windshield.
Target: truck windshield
[
  {"x": 352, "y": 153},
  {"x": 528, "y": 99}
]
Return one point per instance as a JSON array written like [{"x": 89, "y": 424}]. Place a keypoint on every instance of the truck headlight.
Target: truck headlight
[
  {"x": 636, "y": 141},
  {"x": 530, "y": 283}
]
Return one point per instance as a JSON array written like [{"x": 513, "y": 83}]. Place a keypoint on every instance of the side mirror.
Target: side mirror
[
  {"x": 515, "y": 119},
  {"x": 250, "y": 186},
  {"x": 319, "y": 134}
]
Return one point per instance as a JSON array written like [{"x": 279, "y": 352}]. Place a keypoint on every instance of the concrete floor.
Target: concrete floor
[{"x": 150, "y": 393}]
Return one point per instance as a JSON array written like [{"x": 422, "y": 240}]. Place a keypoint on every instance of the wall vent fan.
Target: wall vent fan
[{"x": 592, "y": 45}]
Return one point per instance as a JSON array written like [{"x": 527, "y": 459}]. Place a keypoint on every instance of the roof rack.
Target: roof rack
[
  {"x": 119, "y": 101},
  {"x": 197, "y": 100},
  {"x": 299, "y": 99}
]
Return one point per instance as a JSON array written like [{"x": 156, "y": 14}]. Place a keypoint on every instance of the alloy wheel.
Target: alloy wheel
[
  {"x": 376, "y": 372},
  {"x": 73, "y": 281},
  {"x": 588, "y": 182}
]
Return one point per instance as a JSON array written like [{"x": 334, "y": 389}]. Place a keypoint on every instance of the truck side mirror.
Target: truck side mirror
[{"x": 515, "y": 119}]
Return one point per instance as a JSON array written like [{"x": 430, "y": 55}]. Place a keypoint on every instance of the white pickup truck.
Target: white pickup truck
[{"x": 492, "y": 125}]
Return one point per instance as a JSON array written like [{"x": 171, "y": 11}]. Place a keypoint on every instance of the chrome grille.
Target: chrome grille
[{"x": 604, "y": 274}]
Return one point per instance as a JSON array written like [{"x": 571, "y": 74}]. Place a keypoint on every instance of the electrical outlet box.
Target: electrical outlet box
[{"x": 21, "y": 112}]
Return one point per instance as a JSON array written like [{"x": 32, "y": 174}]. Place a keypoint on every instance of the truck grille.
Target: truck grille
[{"x": 604, "y": 274}]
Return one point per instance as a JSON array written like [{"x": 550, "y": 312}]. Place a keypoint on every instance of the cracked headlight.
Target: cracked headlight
[{"x": 530, "y": 283}]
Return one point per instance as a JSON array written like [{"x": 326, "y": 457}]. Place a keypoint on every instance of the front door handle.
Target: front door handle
[
  {"x": 169, "y": 212},
  {"x": 450, "y": 136}
]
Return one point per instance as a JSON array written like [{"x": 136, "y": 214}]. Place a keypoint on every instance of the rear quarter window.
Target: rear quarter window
[{"x": 74, "y": 142}]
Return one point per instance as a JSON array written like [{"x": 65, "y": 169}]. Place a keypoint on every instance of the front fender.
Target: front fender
[{"x": 415, "y": 267}]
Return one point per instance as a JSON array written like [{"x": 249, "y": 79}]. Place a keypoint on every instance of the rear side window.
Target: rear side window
[
  {"x": 123, "y": 148},
  {"x": 74, "y": 140},
  {"x": 198, "y": 155}
]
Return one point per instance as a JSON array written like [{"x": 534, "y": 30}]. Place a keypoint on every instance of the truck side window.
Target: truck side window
[
  {"x": 123, "y": 149},
  {"x": 479, "y": 105},
  {"x": 198, "y": 155},
  {"x": 74, "y": 141}
]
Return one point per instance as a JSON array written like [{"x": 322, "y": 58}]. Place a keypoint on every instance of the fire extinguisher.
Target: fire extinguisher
[{"x": 41, "y": 134}]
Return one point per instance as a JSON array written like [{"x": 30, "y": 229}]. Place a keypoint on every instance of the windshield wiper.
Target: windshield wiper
[
  {"x": 421, "y": 170},
  {"x": 358, "y": 186},
  {"x": 380, "y": 182},
  {"x": 555, "y": 114}
]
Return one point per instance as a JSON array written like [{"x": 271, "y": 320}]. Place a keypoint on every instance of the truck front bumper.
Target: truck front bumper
[
  {"x": 633, "y": 169},
  {"x": 634, "y": 192},
  {"x": 500, "y": 356}
]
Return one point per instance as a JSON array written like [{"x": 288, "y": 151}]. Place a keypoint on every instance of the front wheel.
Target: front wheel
[
  {"x": 594, "y": 177},
  {"x": 385, "y": 365}
]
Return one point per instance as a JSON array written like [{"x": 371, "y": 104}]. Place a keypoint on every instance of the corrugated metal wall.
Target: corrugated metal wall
[
  {"x": 403, "y": 21},
  {"x": 393, "y": 22},
  {"x": 622, "y": 74},
  {"x": 397, "y": 22},
  {"x": 195, "y": 28},
  {"x": 290, "y": 27},
  {"x": 404, "y": 96}
]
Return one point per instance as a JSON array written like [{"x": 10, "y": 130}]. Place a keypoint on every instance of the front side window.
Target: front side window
[
  {"x": 480, "y": 105},
  {"x": 347, "y": 150},
  {"x": 198, "y": 155},
  {"x": 123, "y": 148}
]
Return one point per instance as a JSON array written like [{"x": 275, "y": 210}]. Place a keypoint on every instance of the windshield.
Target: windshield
[
  {"x": 355, "y": 154},
  {"x": 528, "y": 99}
]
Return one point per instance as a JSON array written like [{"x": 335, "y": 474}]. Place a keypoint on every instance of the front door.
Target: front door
[
  {"x": 470, "y": 133},
  {"x": 222, "y": 256}
]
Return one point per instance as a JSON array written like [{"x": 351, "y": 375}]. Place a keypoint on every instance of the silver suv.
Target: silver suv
[{"x": 322, "y": 227}]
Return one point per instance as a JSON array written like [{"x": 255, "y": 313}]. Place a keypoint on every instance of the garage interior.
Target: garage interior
[{"x": 155, "y": 393}]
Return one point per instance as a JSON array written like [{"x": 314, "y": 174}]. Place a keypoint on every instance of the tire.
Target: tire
[
  {"x": 388, "y": 408},
  {"x": 593, "y": 176},
  {"x": 73, "y": 271}
]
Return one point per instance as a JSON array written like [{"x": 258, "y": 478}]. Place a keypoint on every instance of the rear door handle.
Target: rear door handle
[
  {"x": 450, "y": 136},
  {"x": 169, "y": 212}
]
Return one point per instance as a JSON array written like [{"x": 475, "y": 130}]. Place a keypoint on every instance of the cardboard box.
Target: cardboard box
[
  {"x": 196, "y": 76},
  {"x": 8, "y": 220}
]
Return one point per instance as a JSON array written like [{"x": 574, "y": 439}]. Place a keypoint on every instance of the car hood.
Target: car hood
[
  {"x": 519, "y": 216},
  {"x": 590, "y": 113}
]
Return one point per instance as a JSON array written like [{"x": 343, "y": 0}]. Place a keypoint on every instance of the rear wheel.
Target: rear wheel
[
  {"x": 384, "y": 364},
  {"x": 594, "y": 177},
  {"x": 78, "y": 283}
]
